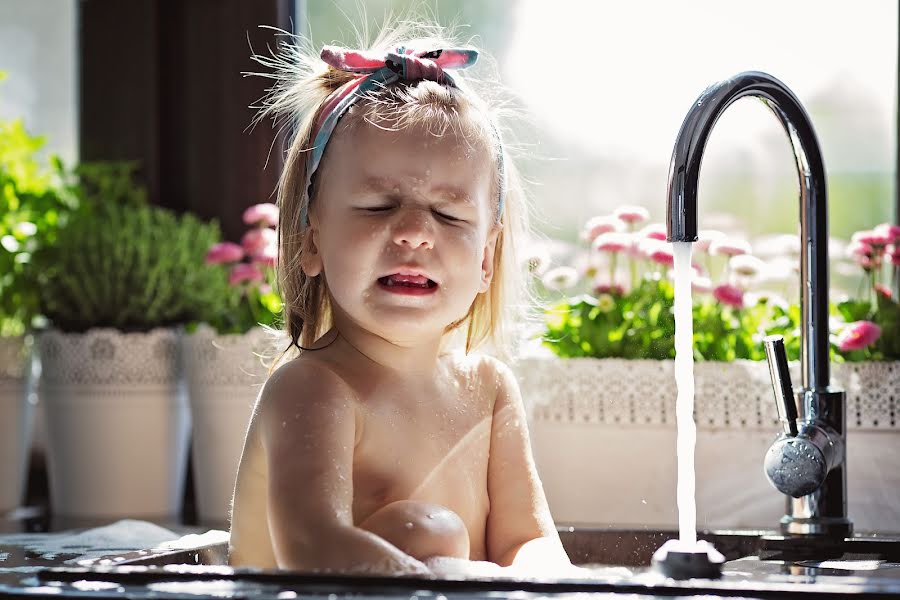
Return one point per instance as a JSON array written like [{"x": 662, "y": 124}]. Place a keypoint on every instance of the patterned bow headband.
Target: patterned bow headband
[{"x": 379, "y": 70}]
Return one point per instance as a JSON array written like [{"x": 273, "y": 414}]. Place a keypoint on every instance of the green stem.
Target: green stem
[
  {"x": 253, "y": 303},
  {"x": 861, "y": 287},
  {"x": 895, "y": 282},
  {"x": 632, "y": 266},
  {"x": 612, "y": 268}
]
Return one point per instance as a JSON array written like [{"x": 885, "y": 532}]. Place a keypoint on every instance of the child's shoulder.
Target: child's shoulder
[
  {"x": 307, "y": 378},
  {"x": 485, "y": 367}
]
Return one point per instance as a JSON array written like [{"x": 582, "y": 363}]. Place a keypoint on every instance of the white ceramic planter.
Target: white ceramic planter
[
  {"x": 16, "y": 415},
  {"x": 224, "y": 375},
  {"x": 604, "y": 433},
  {"x": 117, "y": 424}
]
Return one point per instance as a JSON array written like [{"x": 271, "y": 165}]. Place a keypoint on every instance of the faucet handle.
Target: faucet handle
[{"x": 781, "y": 383}]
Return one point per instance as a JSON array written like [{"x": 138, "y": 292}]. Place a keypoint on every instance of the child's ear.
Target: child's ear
[
  {"x": 310, "y": 257},
  {"x": 487, "y": 261}
]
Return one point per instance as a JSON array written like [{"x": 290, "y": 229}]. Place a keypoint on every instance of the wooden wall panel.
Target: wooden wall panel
[{"x": 161, "y": 83}]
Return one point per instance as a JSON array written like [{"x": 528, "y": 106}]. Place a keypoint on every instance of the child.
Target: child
[{"x": 377, "y": 448}]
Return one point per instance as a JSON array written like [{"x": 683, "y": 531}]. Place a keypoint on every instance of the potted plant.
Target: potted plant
[
  {"x": 226, "y": 359},
  {"x": 33, "y": 202},
  {"x": 604, "y": 382},
  {"x": 123, "y": 278}
]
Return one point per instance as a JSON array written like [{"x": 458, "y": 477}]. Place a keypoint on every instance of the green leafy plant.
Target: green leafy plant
[
  {"x": 640, "y": 323},
  {"x": 34, "y": 203},
  {"x": 623, "y": 305},
  {"x": 872, "y": 330},
  {"x": 121, "y": 262}
]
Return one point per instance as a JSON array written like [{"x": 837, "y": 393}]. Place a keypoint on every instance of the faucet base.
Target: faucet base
[
  {"x": 829, "y": 527},
  {"x": 680, "y": 560}
]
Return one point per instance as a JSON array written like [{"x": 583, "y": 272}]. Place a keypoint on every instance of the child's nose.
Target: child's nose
[{"x": 414, "y": 229}]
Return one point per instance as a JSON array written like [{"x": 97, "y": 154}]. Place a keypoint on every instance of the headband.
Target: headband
[{"x": 378, "y": 70}]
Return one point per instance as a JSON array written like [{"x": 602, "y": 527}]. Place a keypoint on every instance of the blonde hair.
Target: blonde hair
[{"x": 303, "y": 82}]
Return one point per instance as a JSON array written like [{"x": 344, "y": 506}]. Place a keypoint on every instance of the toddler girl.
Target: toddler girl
[{"x": 378, "y": 447}]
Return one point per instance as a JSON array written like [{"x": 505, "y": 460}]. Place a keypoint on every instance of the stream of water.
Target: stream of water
[{"x": 684, "y": 405}]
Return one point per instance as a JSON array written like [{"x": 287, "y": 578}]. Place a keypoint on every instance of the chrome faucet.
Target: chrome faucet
[{"x": 807, "y": 461}]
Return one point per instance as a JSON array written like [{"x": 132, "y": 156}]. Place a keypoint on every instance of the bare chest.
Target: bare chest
[{"x": 431, "y": 450}]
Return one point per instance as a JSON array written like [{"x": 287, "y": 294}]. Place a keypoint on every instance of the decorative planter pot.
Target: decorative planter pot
[
  {"x": 224, "y": 375},
  {"x": 117, "y": 424},
  {"x": 604, "y": 435},
  {"x": 16, "y": 415}
]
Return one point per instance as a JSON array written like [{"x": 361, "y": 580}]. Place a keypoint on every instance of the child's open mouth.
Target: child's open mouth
[{"x": 415, "y": 285}]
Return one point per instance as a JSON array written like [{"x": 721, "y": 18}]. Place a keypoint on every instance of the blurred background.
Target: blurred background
[{"x": 604, "y": 86}]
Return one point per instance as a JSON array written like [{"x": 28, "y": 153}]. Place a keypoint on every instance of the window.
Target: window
[
  {"x": 38, "y": 53},
  {"x": 608, "y": 84}
]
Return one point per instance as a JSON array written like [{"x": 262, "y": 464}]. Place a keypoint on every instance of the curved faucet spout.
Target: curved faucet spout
[
  {"x": 684, "y": 175},
  {"x": 814, "y": 444}
]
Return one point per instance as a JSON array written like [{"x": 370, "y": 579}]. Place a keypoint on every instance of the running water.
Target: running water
[{"x": 684, "y": 406}]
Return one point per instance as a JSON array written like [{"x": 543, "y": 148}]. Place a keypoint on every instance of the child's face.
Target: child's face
[{"x": 404, "y": 228}]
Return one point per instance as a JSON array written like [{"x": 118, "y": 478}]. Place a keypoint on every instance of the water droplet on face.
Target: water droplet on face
[{"x": 408, "y": 525}]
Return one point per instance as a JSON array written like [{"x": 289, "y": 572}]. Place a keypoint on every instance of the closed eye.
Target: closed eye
[{"x": 447, "y": 217}]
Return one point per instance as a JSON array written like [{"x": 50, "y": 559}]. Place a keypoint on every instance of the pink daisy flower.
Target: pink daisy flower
[
  {"x": 730, "y": 295},
  {"x": 264, "y": 214},
  {"x": 224, "y": 252},
  {"x": 858, "y": 335},
  {"x": 242, "y": 272},
  {"x": 662, "y": 255},
  {"x": 876, "y": 239},
  {"x": 257, "y": 240},
  {"x": 705, "y": 237},
  {"x": 612, "y": 242},
  {"x": 889, "y": 230},
  {"x": 884, "y": 290},
  {"x": 613, "y": 289},
  {"x": 632, "y": 214},
  {"x": 600, "y": 224},
  {"x": 654, "y": 231},
  {"x": 729, "y": 247},
  {"x": 746, "y": 265}
]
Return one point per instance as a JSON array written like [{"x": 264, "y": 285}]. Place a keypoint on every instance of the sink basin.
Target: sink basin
[
  {"x": 635, "y": 548},
  {"x": 759, "y": 564}
]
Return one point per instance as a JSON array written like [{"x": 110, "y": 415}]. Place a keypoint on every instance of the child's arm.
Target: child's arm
[
  {"x": 308, "y": 420},
  {"x": 520, "y": 529}
]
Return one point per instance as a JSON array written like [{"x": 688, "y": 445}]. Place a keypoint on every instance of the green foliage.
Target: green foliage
[
  {"x": 887, "y": 316},
  {"x": 244, "y": 307},
  {"x": 640, "y": 323},
  {"x": 120, "y": 262},
  {"x": 34, "y": 202}
]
